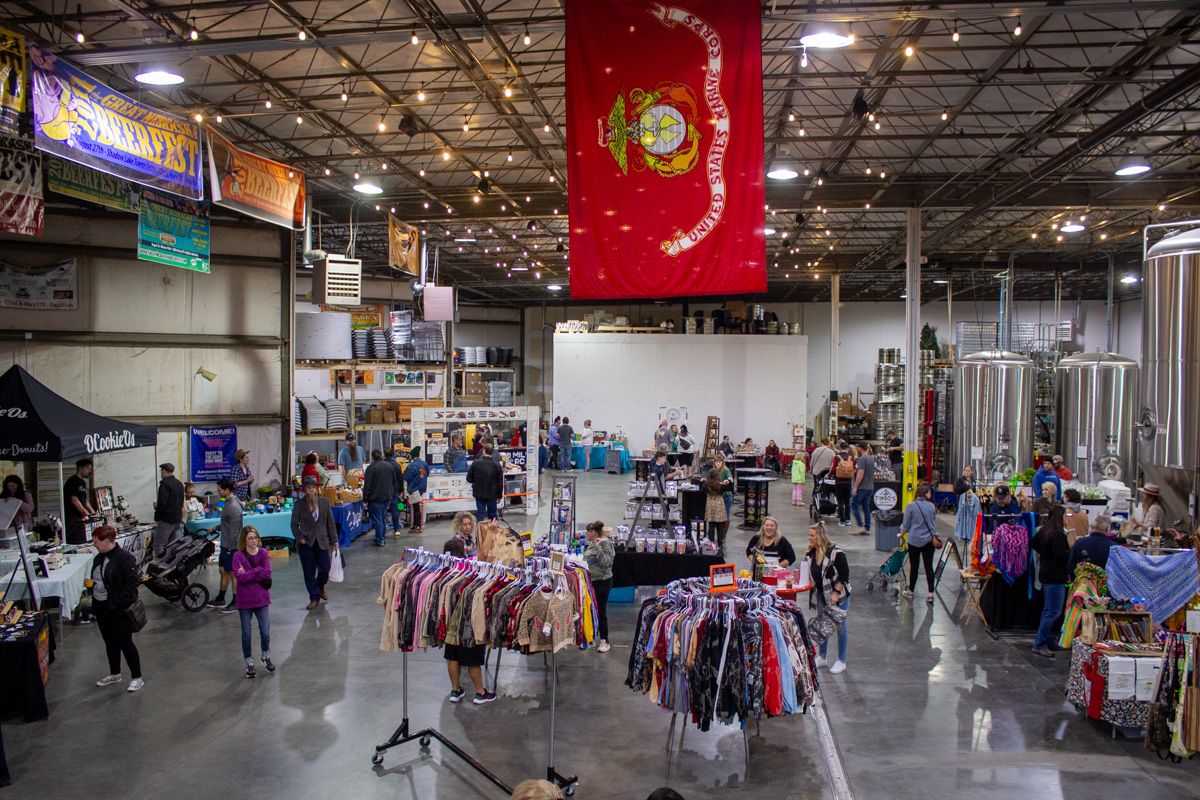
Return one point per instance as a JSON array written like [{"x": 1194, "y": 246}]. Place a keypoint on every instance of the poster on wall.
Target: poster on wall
[
  {"x": 213, "y": 451},
  {"x": 82, "y": 183},
  {"x": 403, "y": 249},
  {"x": 255, "y": 186},
  {"x": 51, "y": 288},
  {"x": 172, "y": 231},
  {"x": 21, "y": 204},
  {"x": 80, "y": 119},
  {"x": 665, "y": 148},
  {"x": 14, "y": 90}
]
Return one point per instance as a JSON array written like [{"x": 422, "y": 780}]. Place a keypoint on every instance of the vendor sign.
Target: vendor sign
[
  {"x": 80, "y": 182},
  {"x": 253, "y": 185},
  {"x": 403, "y": 246},
  {"x": 172, "y": 231},
  {"x": 51, "y": 288},
  {"x": 665, "y": 148},
  {"x": 213, "y": 452},
  {"x": 14, "y": 72},
  {"x": 80, "y": 119},
  {"x": 21, "y": 204}
]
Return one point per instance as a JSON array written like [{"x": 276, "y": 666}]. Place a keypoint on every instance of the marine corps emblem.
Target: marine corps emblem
[{"x": 653, "y": 130}]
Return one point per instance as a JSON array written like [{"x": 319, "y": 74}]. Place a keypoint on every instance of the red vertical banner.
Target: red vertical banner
[{"x": 665, "y": 148}]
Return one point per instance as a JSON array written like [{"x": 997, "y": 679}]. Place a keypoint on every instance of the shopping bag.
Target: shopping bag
[
  {"x": 336, "y": 573},
  {"x": 829, "y": 618}
]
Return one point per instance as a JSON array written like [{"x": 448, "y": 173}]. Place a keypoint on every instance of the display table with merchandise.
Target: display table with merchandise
[
  {"x": 276, "y": 525},
  {"x": 26, "y": 652},
  {"x": 65, "y": 583},
  {"x": 659, "y": 569},
  {"x": 599, "y": 457},
  {"x": 1091, "y": 671},
  {"x": 351, "y": 521}
]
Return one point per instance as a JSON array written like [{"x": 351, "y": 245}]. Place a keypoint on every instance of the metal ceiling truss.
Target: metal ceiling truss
[{"x": 997, "y": 137}]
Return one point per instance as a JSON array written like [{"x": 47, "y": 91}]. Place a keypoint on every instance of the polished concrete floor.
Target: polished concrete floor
[{"x": 927, "y": 709}]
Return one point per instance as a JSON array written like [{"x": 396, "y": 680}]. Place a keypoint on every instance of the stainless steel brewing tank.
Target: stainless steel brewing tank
[
  {"x": 1169, "y": 420},
  {"x": 1095, "y": 406},
  {"x": 993, "y": 414}
]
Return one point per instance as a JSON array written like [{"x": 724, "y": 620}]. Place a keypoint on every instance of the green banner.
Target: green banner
[
  {"x": 172, "y": 231},
  {"x": 84, "y": 183}
]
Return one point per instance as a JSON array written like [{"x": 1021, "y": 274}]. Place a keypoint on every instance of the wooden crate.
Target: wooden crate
[{"x": 1095, "y": 625}]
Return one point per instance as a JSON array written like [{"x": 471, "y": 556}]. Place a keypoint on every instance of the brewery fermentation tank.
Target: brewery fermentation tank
[
  {"x": 1095, "y": 404},
  {"x": 993, "y": 414},
  {"x": 1168, "y": 428}
]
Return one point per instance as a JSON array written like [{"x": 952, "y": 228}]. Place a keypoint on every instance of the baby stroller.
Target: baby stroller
[
  {"x": 169, "y": 577},
  {"x": 824, "y": 501},
  {"x": 892, "y": 570}
]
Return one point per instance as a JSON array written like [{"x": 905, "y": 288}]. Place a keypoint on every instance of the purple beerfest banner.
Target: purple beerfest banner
[{"x": 80, "y": 119}]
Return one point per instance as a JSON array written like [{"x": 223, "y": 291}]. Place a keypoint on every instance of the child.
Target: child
[
  {"x": 252, "y": 571},
  {"x": 470, "y": 656},
  {"x": 599, "y": 556},
  {"x": 799, "y": 475},
  {"x": 193, "y": 507}
]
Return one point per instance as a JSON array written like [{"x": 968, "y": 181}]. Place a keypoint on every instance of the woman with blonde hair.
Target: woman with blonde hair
[
  {"x": 830, "y": 571},
  {"x": 770, "y": 544},
  {"x": 536, "y": 790},
  {"x": 464, "y": 530}
]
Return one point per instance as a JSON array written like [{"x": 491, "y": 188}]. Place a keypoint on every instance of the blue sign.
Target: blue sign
[{"x": 213, "y": 452}]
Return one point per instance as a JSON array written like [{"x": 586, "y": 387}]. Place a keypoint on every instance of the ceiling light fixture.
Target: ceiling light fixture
[
  {"x": 554, "y": 287},
  {"x": 508, "y": 91},
  {"x": 791, "y": 117},
  {"x": 1017, "y": 30},
  {"x": 954, "y": 36},
  {"x": 425, "y": 204},
  {"x": 159, "y": 77},
  {"x": 366, "y": 187},
  {"x": 198, "y": 117},
  {"x": 421, "y": 95},
  {"x": 1132, "y": 165},
  {"x": 382, "y": 126},
  {"x": 302, "y": 35},
  {"x": 769, "y": 231},
  {"x": 1129, "y": 280},
  {"x": 414, "y": 38},
  {"x": 355, "y": 176},
  {"x": 945, "y": 115},
  {"x": 1071, "y": 227},
  {"x": 220, "y": 119},
  {"x": 193, "y": 34},
  {"x": 803, "y": 57},
  {"x": 827, "y": 40},
  {"x": 909, "y": 51},
  {"x": 467, "y": 125},
  {"x": 80, "y": 38},
  {"x": 782, "y": 171},
  {"x": 546, "y": 128},
  {"x": 345, "y": 96},
  {"x": 526, "y": 40},
  {"x": 445, "y": 155},
  {"x": 509, "y": 157},
  {"x": 328, "y": 171},
  {"x": 299, "y": 119},
  {"x": 267, "y": 103}
]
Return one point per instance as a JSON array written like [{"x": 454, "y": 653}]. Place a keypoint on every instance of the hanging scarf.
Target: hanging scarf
[
  {"x": 1168, "y": 582},
  {"x": 981, "y": 558},
  {"x": 1090, "y": 589}
]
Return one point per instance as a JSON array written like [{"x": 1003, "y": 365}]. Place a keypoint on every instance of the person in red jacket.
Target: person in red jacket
[{"x": 1061, "y": 468}]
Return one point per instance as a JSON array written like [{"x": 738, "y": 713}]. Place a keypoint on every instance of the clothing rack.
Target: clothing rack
[{"x": 535, "y": 569}]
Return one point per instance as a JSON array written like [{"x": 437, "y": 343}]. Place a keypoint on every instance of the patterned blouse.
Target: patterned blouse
[{"x": 240, "y": 473}]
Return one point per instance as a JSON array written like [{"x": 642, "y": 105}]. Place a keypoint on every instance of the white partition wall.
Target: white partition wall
[{"x": 755, "y": 384}]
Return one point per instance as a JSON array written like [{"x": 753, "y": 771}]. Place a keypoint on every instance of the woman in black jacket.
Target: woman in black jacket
[
  {"x": 830, "y": 573},
  {"x": 1053, "y": 552},
  {"x": 115, "y": 583}
]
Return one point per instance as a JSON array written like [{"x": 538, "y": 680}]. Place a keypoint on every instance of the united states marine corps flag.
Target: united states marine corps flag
[{"x": 665, "y": 148}]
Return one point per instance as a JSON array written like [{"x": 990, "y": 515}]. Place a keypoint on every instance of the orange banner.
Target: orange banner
[{"x": 253, "y": 185}]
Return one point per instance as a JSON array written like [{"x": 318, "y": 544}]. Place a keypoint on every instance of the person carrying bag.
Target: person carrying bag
[{"x": 119, "y": 611}]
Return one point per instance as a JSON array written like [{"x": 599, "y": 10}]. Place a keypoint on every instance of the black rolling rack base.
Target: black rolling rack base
[{"x": 402, "y": 736}]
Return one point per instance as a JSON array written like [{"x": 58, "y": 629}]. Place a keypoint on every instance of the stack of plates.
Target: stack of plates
[
  {"x": 297, "y": 415},
  {"x": 360, "y": 342},
  {"x": 323, "y": 337},
  {"x": 381, "y": 345},
  {"x": 337, "y": 418},
  {"x": 314, "y": 415}
]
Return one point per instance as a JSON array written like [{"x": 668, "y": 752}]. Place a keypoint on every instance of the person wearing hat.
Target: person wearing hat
[
  {"x": 416, "y": 478},
  {"x": 1153, "y": 514},
  {"x": 242, "y": 477},
  {"x": 316, "y": 540},
  {"x": 1060, "y": 468},
  {"x": 1004, "y": 507},
  {"x": 168, "y": 509},
  {"x": 1046, "y": 473},
  {"x": 1093, "y": 548},
  {"x": 351, "y": 456},
  {"x": 79, "y": 508}
]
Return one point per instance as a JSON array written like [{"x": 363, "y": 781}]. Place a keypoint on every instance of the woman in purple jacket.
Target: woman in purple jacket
[{"x": 252, "y": 570}]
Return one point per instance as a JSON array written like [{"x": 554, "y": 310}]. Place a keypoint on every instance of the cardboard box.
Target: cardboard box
[
  {"x": 388, "y": 415},
  {"x": 375, "y": 416},
  {"x": 735, "y": 308},
  {"x": 281, "y": 552},
  {"x": 330, "y": 494}
]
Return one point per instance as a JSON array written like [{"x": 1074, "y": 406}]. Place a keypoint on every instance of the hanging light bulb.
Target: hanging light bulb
[
  {"x": 355, "y": 176},
  {"x": 198, "y": 118},
  {"x": 878, "y": 125},
  {"x": 421, "y": 95},
  {"x": 384, "y": 166},
  {"x": 908, "y": 51},
  {"x": 220, "y": 119},
  {"x": 426, "y": 204},
  {"x": 882, "y": 174},
  {"x": 546, "y": 128},
  {"x": 345, "y": 97},
  {"x": 299, "y": 119},
  {"x": 445, "y": 155},
  {"x": 525, "y": 40},
  {"x": 804, "y": 57},
  {"x": 508, "y": 91},
  {"x": 328, "y": 171},
  {"x": 415, "y": 39},
  {"x": 267, "y": 103},
  {"x": 193, "y": 34},
  {"x": 509, "y": 156},
  {"x": 945, "y": 116},
  {"x": 954, "y": 36},
  {"x": 382, "y": 126},
  {"x": 802, "y": 132},
  {"x": 466, "y": 125},
  {"x": 80, "y": 38},
  {"x": 302, "y": 35},
  {"x": 1017, "y": 30},
  {"x": 791, "y": 117}
]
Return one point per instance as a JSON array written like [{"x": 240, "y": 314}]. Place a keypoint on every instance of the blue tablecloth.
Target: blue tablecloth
[
  {"x": 599, "y": 454},
  {"x": 270, "y": 526},
  {"x": 351, "y": 522}
]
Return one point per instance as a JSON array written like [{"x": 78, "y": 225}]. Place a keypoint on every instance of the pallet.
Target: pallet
[{"x": 626, "y": 329}]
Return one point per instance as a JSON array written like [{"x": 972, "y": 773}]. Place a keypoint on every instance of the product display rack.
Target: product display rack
[
  {"x": 562, "y": 509},
  {"x": 712, "y": 437},
  {"x": 646, "y": 496},
  {"x": 755, "y": 496}
]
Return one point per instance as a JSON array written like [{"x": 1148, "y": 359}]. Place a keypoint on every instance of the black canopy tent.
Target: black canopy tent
[{"x": 36, "y": 424}]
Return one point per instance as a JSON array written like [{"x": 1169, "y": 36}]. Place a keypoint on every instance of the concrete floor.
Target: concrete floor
[{"x": 926, "y": 709}]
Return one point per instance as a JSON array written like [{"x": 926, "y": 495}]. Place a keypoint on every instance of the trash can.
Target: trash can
[{"x": 887, "y": 530}]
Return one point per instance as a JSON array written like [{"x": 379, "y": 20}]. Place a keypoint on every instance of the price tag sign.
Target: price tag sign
[
  {"x": 557, "y": 559},
  {"x": 527, "y": 543},
  {"x": 722, "y": 578}
]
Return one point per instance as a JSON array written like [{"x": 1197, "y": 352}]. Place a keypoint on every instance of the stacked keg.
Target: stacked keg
[
  {"x": 926, "y": 375},
  {"x": 889, "y": 392}
]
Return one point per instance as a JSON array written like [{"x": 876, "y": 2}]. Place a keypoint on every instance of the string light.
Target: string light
[
  {"x": 908, "y": 51},
  {"x": 508, "y": 91},
  {"x": 198, "y": 118},
  {"x": 445, "y": 155},
  {"x": 791, "y": 117},
  {"x": 525, "y": 40},
  {"x": 299, "y": 119},
  {"x": 421, "y": 95},
  {"x": 466, "y": 125},
  {"x": 382, "y": 126},
  {"x": 302, "y": 35},
  {"x": 80, "y": 38},
  {"x": 945, "y": 115},
  {"x": 546, "y": 127},
  {"x": 415, "y": 39},
  {"x": 267, "y": 103},
  {"x": 954, "y": 36},
  {"x": 1017, "y": 30},
  {"x": 509, "y": 156},
  {"x": 803, "y": 57},
  {"x": 220, "y": 119},
  {"x": 422, "y": 173},
  {"x": 345, "y": 97},
  {"x": 328, "y": 171},
  {"x": 878, "y": 125}
]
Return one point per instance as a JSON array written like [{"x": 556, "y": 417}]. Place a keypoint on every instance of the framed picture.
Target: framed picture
[
  {"x": 105, "y": 500},
  {"x": 557, "y": 559},
  {"x": 722, "y": 578}
]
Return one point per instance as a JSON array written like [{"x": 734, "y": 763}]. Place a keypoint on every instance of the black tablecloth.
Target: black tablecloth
[
  {"x": 22, "y": 690},
  {"x": 659, "y": 569},
  {"x": 1010, "y": 606}
]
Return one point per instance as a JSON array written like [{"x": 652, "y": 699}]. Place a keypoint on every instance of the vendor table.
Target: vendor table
[
  {"x": 659, "y": 569},
  {"x": 754, "y": 508},
  {"x": 66, "y": 583},
  {"x": 24, "y": 668},
  {"x": 134, "y": 539},
  {"x": 599, "y": 456},
  {"x": 1122, "y": 713},
  {"x": 270, "y": 526},
  {"x": 351, "y": 522}
]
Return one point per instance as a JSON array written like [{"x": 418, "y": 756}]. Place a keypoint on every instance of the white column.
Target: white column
[
  {"x": 912, "y": 368},
  {"x": 835, "y": 322}
]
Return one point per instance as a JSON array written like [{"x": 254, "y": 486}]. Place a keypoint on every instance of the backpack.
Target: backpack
[{"x": 845, "y": 468}]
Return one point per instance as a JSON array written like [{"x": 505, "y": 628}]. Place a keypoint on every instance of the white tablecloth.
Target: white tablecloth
[{"x": 65, "y": 584}]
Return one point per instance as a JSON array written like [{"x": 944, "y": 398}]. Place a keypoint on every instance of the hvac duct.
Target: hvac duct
[
  {"x": 993, "y": 414},
  {"x": 1095, "y": 403}
]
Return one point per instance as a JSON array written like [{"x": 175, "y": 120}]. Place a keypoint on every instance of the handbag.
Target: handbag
[
  {"x": 137, "y": 615},
  {"x": 829, "y": 618}
]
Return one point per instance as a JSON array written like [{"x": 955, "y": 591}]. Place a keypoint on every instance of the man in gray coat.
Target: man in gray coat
[{"x": 316, "y": 540}]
